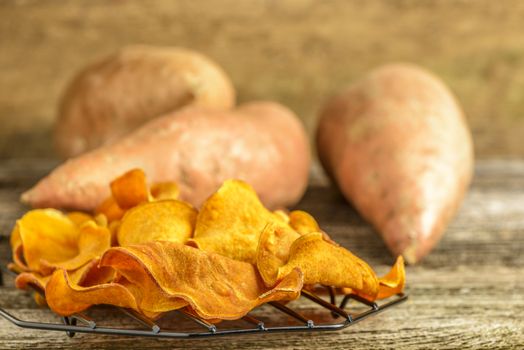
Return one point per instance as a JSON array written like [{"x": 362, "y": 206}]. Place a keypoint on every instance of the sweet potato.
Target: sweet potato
[
  {"x": 114, "y": 96},
  {"x": 262, "y": 143},
  {"x": 398, "y": 146}
]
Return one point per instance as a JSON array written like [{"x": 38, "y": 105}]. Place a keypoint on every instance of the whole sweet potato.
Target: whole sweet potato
[
  {"x": 262, "y": 143},
  {"x": 114, "y": 96},
  {"x": 398, "y": 146}
]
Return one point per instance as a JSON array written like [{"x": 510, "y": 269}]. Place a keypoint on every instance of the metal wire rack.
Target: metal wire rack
[{"x": 338, "y": 318}]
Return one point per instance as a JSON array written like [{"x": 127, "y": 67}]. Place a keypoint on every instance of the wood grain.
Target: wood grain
[{"x": 467, "y": 294}]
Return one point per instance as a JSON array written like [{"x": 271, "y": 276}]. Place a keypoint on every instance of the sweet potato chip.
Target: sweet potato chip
[
  {"x": 282, "y": 214},
  {"x": 79, "y": 218},
  {"x": 393, "y": 282},
  {"x": 213, "y": 285},
  {"x": 324, "y": 263},
  {"x": 66, "y": 297},
  {"x": 166, "y": 220},
  {"x": 93, "y": 241},
  {"x": 88, "y": 274},
  {"x": 44, "y": 234},
  {"x": 33, "y": 279},
  {"x": 165, "y": 190},
  {"x": 110, "y": 208},
  {"x": 45, "y": 239},
  {"x": 231, "y": 220},
  {"x": 130, "y": 189},
  {"x": 303, "y": 222},
  {"x": 273, "y": 251}
]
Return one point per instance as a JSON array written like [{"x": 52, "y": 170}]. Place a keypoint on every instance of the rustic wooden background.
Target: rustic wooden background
[{"x": 294, "y": 51}]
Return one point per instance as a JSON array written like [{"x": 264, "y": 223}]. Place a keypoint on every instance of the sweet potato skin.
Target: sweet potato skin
[
  {"x": 397, "y": 145},
  {"x": 112, "y": 97},
  {"x": 262, "y": 143}
]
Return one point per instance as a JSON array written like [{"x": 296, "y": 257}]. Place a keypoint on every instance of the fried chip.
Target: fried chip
[
  {"x": 88, "y": 274},
  {"x": 167, "y": 220},
  {"x": 273, "y": 251},
  {"x": 231, "y": 220},
  {"x": 45, "y": 239},
  {"x": 93, "y": 241},
  {"x": 113, "y": 227},
  {"x": 110, "y": 208},
  {"x": 165, "y": 190},
  {"x": 44, "y": 234},
  {"x": 213, "y": 285},
  {"x": 161, "y": 276},
  {"x": 283, "y": 214},
  {"x": 65, "y": 297},
  {"x": 31, "y": 279},
  {"x": 78, "y": 217},
  {"x": 393, "y": 282},
  {"x": 323, "y": 263},
  {"x": 303, "y": 222},
  {"x": 130, "y": 189}
]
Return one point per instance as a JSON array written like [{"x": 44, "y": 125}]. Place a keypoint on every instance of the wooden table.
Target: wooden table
[{"x": 469, "y": 293}]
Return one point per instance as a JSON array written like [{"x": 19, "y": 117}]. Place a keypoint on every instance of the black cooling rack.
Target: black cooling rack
[{"x": 340, "y": 317}]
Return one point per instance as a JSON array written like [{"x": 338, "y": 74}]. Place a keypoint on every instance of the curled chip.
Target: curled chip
[
  {"x": 165, "y": 190},
  {"x": 110, "y": 208},
  {"x": 88, "y": 274},
  {"x": 303, "y": 222},
  {"x": 213, "y": 285},
  {"x": 393, "y": 283},
  {"x": 44, "y": 234},
  {"x": 282, "y": 214},
  {"x": 130, "y": 189},
  {"x": 231, "y": 220},
  {"x": 325, "y": 263},
  {"x": 45, "y": 239},
  {"x": 273, "y": 251},
  {"x": 167, "y": 220},
  {"x": 65, "y": 297},
  {"x": 79, "y": 218},
  {"x": 93, "y": 241},
  {"x": 161, "y": 276}
]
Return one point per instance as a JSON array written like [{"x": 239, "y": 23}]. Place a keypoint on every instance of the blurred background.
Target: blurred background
[{"x": 297, "y": 52}]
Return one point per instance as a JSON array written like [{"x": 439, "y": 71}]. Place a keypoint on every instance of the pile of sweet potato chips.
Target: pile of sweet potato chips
[{"x": 146, "y": 250}]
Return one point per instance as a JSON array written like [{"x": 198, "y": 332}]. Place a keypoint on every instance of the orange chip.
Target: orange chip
[
  {"x": 44, "y": 234},
  {"x": 165, "y": 190},
  {"x": 130, "y": 189},
  {"x": 303, "y": 222},
  {"x": 113, "y": 228},
  {"x": 110, "y": 208},
  {"x": 66, "y": 297},
  {"x": 168, "y": 220},
  {"x": 93, "y": 241},
  {"x": 78, "y": 217},
  {"x": 213, "y": 285},
  {"x": 88, "y": 274},
  {"x": 324, "y": 263},
  {"x": 393, "y": 282},
  {"x": 45, "y": 239},
  {"x": 231, "y": 220},
  {"x": 273, "y": 251},
  {"x": 283, "y": 214}
]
